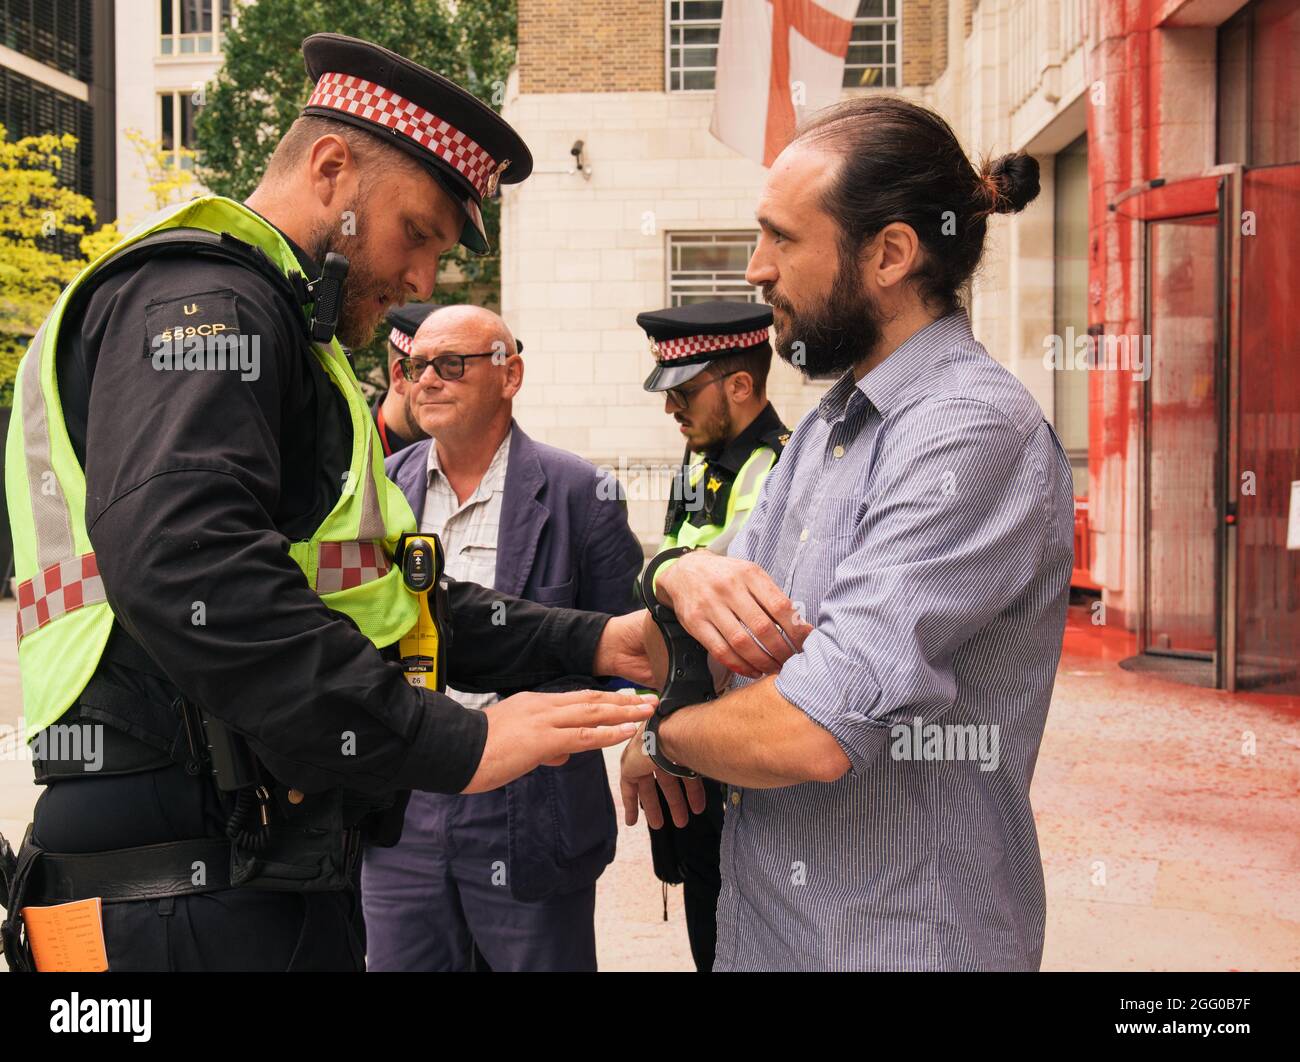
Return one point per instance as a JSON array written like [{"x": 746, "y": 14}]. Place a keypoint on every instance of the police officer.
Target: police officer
[
  {"x": 394, "y": 417},
  {"x": 207, "y": 551},
  {"x": 711, "y": 364}
]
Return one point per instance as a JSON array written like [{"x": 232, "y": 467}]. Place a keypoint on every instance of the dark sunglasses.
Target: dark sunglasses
[
  {"x": 681, "y": 399},
  {"x": 447, "y": 366}
]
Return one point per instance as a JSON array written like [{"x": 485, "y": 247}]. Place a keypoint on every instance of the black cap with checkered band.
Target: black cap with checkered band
[
  {"x": 683, "y": 339},
  {"x": 405, "y": 321},
  {"x": 468, "y": 148}
]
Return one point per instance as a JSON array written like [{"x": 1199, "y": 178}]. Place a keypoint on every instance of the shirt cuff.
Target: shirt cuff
[
  {"x": 446, "y": 749},
  {"x": 571, "y": 637},
  {"x": 835, "y": 702}
]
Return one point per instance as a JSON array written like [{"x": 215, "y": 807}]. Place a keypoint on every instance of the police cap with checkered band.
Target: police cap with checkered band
[
  {"x": 467, "y": 147},
  {"x": 684, "y": 339},
  {"x": 406, "y": 320}
]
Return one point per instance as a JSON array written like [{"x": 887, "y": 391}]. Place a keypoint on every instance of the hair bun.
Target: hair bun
[{"x": 1013, "y": 182}]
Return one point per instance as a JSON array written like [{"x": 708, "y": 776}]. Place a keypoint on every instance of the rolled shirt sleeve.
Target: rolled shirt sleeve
[{"x": 949, "y": 533}]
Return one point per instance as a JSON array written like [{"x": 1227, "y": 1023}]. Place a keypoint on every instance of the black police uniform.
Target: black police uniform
[{"x": 195, "y": 487}]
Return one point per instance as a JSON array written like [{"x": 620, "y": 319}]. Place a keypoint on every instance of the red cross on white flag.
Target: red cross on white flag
[{"x": 778, "y": 60}]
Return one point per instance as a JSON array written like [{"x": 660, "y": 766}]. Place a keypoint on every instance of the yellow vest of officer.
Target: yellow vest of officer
[
  {"x": 740, "y": 502},
  {"x": 64, "y": 619}
]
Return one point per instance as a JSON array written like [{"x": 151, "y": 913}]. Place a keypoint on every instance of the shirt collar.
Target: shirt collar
[
  {"x": 734, "y": 455},
  {"x": 493, "y": 479},
  {"x": 905, "y": 369}
]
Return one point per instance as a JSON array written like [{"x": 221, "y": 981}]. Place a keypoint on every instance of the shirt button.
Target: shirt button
[
  {"x": 803, "y": 535},
  {"x": 838, "y": 451},
  {"x": 735, "y": 798}
]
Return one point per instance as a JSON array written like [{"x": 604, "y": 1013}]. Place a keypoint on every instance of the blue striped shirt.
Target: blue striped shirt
[{"x": 922, "y": 520}]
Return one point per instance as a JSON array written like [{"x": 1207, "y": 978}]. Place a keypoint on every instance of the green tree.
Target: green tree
[
  {"x": 263, "y": 85},
  {"x": 35, "y": 211},
  {"x": 40, "y": 218}
]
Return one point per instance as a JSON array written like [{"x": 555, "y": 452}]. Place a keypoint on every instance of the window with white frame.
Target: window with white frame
[
  {"x": 192, "y": 27},
  {"x": 703, "y": 266},
  {"x": 176, "y": 112},
  {"x": 693, "y": 27}
]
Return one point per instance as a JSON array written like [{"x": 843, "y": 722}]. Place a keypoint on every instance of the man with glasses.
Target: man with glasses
[
  {"x": 503, "y": 880},
  {"x": 711, "y": 365}
]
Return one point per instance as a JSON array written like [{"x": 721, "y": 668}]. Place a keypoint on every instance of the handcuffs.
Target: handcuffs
[{"x": 688, "y": 681}]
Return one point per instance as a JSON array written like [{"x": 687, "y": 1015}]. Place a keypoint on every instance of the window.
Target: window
[
  {"x": 54, "y": 32},
  {"x": 710, "y": 265},
  {"x": 176, "y": 127},
  {"x": 1258, "y": 49},
  {"x": 872, "y": 61},
  {"x": 694, "y": 26},
  {"x": 186, "y": 26}
]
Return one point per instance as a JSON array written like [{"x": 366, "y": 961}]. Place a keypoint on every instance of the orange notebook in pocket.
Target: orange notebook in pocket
[{"x": 68, "y": 937}]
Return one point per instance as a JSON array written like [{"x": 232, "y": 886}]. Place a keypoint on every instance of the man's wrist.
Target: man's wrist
[
  {"x": 655, "y": 582},
  {"x": 664, "y": 734},
  {"x": 603, "y": 657},
  {"x": 666, "y": 598}
]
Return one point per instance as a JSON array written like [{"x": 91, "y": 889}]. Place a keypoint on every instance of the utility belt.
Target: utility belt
[{"x": 276, "y": 837}]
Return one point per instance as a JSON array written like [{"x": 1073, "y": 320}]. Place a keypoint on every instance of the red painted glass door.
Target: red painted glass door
[{"x": 1183, "y": 429}]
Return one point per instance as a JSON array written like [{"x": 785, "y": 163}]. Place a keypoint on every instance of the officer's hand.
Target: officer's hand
[
  {"x": 733, "y": 609},
  {"x": 637, "y": 781},
  {"x": 531, "y": 729},
  {"x": 621, "y": 650}
]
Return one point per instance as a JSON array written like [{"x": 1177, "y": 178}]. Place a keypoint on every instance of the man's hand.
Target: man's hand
[
  {"x": 733, "y": 609},
  {"x": 531, "y": 729},
  {"x": 621, "y": 650},
  {"x": 637, "y": 783}
]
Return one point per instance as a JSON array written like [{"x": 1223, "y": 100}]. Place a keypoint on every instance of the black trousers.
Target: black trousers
[
  {"x": 226, "y": 930},
  {"x": 691, "y": 856}
]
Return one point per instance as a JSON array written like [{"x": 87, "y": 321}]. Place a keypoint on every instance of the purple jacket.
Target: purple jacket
[{"x": 564, "y": 541}]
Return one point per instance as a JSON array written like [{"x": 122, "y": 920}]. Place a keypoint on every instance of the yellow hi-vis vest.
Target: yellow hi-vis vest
[
  {"x": 740, "y": 503},
  {"x": 63, "y": 616}
]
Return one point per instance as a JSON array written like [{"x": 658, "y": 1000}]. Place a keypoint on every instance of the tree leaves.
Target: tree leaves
[{"x": 35, "y": 210}]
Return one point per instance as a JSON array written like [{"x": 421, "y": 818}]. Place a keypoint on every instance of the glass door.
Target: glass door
[{"x": 1184, "y": 428}]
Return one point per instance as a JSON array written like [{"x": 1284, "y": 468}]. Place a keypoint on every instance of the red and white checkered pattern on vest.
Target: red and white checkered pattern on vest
[
  {"x": 58, "y": 589},
  {"x": 344, "y": 565}
]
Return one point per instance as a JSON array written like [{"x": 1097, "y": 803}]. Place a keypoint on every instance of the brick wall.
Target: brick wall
[
  {"x": 925, "y": 40},
  {"x": 592, "y": 46},
  {"x": 618, "y": 45}
]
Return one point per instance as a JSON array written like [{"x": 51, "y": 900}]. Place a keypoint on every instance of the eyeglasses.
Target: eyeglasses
[
  {"x": 447, "y": 366},
  {"x": 681, "y": 399}
]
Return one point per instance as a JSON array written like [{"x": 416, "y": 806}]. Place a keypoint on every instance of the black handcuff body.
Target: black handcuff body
[{"x": 688, "y": 681}]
